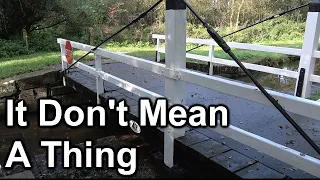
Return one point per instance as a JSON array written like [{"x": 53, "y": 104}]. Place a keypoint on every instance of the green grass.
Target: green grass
[
  {"x": 244, "y": 55},
  {"x": 23, "y": 64},
  {"x": 37, "y": 61},
  {"x": 315, "y": 97},
  {"x": 28, "y": 63}
]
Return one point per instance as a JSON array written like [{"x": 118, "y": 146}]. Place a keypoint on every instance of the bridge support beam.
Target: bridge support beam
[
  {"x": 176, "y": 22},
  {"x": 307, "y": 61}
]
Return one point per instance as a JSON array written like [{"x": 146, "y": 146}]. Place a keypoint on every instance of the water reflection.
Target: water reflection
[{"x": 278, "y": 82}]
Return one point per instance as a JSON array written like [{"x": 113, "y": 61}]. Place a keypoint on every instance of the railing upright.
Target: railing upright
[
  {"x": 99, "y": 80},
  {"x": 175, "y": 90},
  {"x": 64, "y": 65},
  {"x": 307, "y": 60},
  {"x": 158, "y": 49},
  {"x": 211, "y": 56}
]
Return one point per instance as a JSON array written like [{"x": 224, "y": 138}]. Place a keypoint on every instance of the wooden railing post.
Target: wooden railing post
[
  {"x": 158, "y": 49},
  {"x": 99, "y": 80},
  {"x": 176, "y": 22},
  {"x": 64, "y": 64},
  {"x": 307, "y": 60},
  {"x": 211, "y": 56}
]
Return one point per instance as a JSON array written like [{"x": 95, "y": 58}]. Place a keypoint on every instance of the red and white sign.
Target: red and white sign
[{"x": 69, "y": 52}]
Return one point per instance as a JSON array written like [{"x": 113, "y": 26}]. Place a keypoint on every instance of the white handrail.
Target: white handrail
[
  {"x": 300, "y": 106},
  {"x": 244, "y": 46},
  {"x": 250, "y": 66},
  {"x": 255, "y": 67},
  {"x": 304, "y": 107},
  {"x": 266, "y": 69}
]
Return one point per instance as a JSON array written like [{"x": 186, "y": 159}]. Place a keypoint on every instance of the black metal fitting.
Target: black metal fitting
[
  {"x": 314, "y": 6},
  {"x": 175, "y": 5},
  {"x": 300, "y": 82}
]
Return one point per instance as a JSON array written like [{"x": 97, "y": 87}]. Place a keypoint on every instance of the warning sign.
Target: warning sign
[{"x": 69, "y": 52}]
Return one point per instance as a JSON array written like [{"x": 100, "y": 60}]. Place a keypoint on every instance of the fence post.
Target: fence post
[
  {"x": 211, "y": 56},
  {"x": 176, "y": 22},
  {"x": 307, "y": 60},
  {"x": 99, "y": 80},
  {"x": 158, "y": 49},
  {"x": 64, "y": 64}
]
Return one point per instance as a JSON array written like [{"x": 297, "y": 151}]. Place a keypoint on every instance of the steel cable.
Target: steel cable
[
  {"x": 255, "y": 24},
  {"x": 141, "y": 16},
  {"x": 220, "y": 41}
]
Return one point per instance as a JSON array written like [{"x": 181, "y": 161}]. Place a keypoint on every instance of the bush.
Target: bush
[
  {"x": 11, "y": 48},
  {"x": 280, "y": 29},
  {"x": 44, "y": 40},
  {"x": 39, "y": 41}
]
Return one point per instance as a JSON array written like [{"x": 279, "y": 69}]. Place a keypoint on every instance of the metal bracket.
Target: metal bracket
[
  {"x": 175, "y": 5},
  {"x": 156, "y": 58},
  {"x": 300, "y": 82},
  {"x": 172, "y": 74},
  {"x": 314, "y": 7}
]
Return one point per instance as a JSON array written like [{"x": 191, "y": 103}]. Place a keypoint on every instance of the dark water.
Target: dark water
[
  {"x": 32, "y": 135},
  {"x": 281, "y": 83},
  {"x": 110, "y": 136},
  {"x": 276, "y": 82}
]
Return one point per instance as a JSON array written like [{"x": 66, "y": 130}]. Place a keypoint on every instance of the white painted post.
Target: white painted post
[
  {"x": 176, "y": 22},
  {"x": 307, "y": 61},
  {"x": 158, "y": 49},
  {"x": 64, "y": 64},
  {"x": 99, "y": 81},
  {"x": 211, "y": 56}
]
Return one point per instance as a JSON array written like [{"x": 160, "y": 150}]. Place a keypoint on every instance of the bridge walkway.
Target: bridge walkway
[{"x": 233, "y": 156}]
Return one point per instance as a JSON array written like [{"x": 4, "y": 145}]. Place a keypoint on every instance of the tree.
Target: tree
[{"x": 20, "y": 14}]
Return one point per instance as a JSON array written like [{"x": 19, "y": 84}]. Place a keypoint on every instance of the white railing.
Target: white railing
[
  {"x": 254, "y": 47},
  {"x": 294, "y": 104}
]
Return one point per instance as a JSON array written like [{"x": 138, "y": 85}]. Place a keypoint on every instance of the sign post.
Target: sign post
[{"x": 69, "y": 52}]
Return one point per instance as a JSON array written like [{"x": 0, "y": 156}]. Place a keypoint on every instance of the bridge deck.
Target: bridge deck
[{"x": 253, "y": 117}]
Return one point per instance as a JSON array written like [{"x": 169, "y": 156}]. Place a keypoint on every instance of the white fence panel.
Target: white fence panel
[{"x": 297, "y": 105}]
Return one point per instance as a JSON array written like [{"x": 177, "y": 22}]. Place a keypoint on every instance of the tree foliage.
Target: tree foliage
[
  {"x": 92, "y": 20},
  {"x": 16, "y": 15}
]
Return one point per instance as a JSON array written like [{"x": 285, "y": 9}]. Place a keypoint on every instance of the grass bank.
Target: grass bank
[
  {"x": 37, "y": 61},
  {"x": 255, "y": 57},
  {"x": 29, "y": 63},
  {"x": 316, "y": 96}
]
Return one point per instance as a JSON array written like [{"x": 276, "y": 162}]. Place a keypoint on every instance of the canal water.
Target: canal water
[
  {"x": 280, "y": 83},
  {"x": 110, "y": 136},
  {"x": 276, "y": 82}
]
